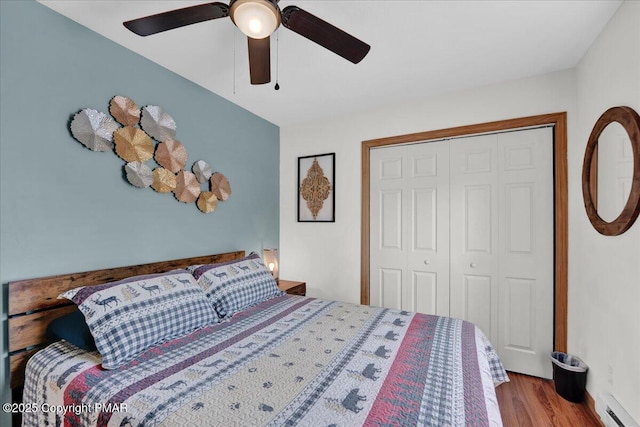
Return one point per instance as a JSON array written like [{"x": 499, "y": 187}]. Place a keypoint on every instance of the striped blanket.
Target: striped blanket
[{"x": 288, "y": 361}]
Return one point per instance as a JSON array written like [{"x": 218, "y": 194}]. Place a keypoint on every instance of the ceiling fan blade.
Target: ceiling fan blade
[
  {"x": 172, "y": 19},
  {"x": 325, "y": 34},
  {"x": 260, "y": 60}
]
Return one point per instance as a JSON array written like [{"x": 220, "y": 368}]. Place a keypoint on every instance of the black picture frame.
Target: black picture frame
[{"x": 312, "y": 187}]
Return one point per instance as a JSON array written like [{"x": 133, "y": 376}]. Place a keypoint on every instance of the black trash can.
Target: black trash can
[{"x": 569, "y": 376}]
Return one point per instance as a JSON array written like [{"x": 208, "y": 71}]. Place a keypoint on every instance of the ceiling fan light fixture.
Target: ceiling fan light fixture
[{"x": 255, "y": 18}]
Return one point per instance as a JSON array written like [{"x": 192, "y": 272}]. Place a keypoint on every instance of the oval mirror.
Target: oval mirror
[
  {"x": 614, "y": 163},
  {"x": 611, "y": 171}
]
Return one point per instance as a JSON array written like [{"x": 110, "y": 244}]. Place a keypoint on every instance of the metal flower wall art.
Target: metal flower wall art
[{"x": 137, "y": 135}]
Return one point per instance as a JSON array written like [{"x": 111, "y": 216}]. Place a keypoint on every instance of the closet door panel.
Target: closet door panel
[
  {"x": 428, "y": 228},
  {"x": 409, "y": 204},
  {"x": 424, "y": 292},
  {"x": 519, "y": 211},
  {"x": 388, "y": 249},
  {"x": 390, "y": 215},
  {"x": 520, "y": 328},
  {"x": 478, "y": 213},
  {"x": 390, "y": 289},
  {"x": 474, "y": 226},
  {"x": 424, "y": 215},
  {"x": 478, "y": 300},
  {"x": 526, "y": 248}
]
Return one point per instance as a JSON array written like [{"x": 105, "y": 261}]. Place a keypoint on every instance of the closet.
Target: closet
[{"x": 464, "y": 228}]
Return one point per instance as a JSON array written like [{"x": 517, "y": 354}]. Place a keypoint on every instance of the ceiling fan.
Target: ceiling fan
[{"x": 258, "y": 19}]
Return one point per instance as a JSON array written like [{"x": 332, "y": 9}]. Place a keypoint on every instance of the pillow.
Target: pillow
[
  {"x": 129, "y": 316},
  {"x": 236, "y": 285},
  {"x": 72, "y": 328},
  {"x": 192, "y": 268}
]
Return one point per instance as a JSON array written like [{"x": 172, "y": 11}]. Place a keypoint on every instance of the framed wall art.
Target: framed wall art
[{"x": 316, "y": 188}]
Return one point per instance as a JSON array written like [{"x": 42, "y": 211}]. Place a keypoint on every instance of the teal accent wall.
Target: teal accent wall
[{"x": 64, "y": 208}]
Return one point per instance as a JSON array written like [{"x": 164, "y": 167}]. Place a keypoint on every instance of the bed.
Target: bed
[{"x": 281, "y": 360}]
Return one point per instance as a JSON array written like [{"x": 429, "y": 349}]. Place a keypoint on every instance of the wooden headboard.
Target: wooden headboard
[{"x": 33, "y": 303}]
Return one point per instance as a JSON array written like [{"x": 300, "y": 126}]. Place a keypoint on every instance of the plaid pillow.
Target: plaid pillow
[
  {"x": 236, "y": 285},
  {"x": 129, "y": 316}
]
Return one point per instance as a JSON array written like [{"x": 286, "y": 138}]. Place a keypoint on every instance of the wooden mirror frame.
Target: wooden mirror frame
[{"x": 630, "y": 121}]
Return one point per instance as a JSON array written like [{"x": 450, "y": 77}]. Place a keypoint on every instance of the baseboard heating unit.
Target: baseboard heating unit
[{"x": 612, "y": 413}]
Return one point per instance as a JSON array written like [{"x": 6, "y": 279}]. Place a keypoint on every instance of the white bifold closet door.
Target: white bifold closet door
[
  {"x": 464, "y": 228},
  {"x": 409, "y": 235}
]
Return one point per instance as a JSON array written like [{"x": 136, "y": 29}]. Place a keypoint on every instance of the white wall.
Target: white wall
[
  {"x": 604, "y": 272},
  {"x": 327, "y": 255}
]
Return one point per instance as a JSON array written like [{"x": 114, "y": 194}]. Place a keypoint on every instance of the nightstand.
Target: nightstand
[{"x": 292, "y": 287}]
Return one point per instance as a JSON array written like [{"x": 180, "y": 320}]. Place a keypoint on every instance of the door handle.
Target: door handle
[
  {"x": 427, "y": 262},
  {"x": 473, "y": 265}
]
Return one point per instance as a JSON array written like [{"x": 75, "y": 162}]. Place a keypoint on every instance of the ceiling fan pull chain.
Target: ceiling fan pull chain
[
  {"x": 277, "y": 86},
  {"x": 234, "y": 61}
]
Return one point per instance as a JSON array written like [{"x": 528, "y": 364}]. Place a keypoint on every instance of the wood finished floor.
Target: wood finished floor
[{"x": 533, "y": 402}]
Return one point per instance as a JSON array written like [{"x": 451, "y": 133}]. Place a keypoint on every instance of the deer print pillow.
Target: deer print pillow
[
  {"x": 234, "y": 286},
  {"x": 129, "y": 316}
]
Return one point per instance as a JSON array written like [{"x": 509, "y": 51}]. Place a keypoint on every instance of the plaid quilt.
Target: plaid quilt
[{"x": 288, "y": 361}]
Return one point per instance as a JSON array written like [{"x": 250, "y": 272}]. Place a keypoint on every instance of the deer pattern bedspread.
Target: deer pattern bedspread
[{"x": 288, "y": 361}]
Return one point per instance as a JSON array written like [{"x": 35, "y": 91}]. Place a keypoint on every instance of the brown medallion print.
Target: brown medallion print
[{"x": 315, "y": 188}]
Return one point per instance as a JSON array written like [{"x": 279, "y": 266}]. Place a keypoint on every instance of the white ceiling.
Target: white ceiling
[{"x": 418, "y": 49}]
